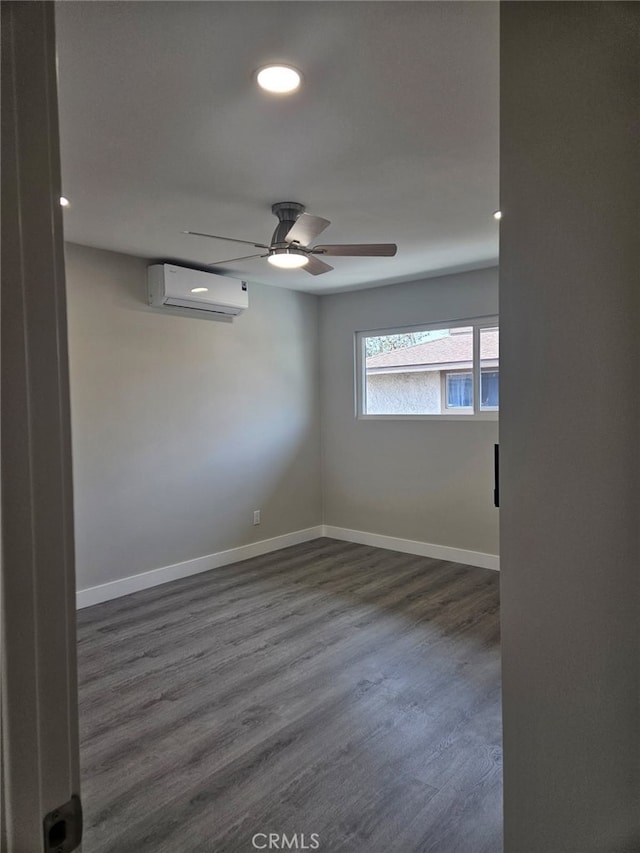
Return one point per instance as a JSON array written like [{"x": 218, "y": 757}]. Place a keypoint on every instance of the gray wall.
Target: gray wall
[
  {"x": 183, "y": 426},
  {"x": 426, "y": 480},
  {"x": 569, "y": 261}
]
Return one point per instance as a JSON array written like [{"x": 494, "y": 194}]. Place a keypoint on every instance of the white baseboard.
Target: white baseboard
[
  {"x": 410, "y": 546},
  {"x": 155, "y": 577}
]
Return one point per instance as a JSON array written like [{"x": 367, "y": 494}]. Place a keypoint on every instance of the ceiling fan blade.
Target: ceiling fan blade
[
  {"x": 230, "y": 239},
  {"x": 362, "y": 250},
  {"x": 306, "y": 228},
  {"x": 232, "y": 260},
  {"x": 316, "y": 266}
]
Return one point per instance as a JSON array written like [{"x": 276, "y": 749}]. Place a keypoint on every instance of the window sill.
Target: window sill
[{"x": 479, "y": 416}]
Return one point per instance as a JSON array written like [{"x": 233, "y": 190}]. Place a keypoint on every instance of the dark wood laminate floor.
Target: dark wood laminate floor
[{"x": 327, "y": 688}]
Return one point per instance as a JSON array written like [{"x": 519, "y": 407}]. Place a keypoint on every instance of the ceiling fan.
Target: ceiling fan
[{"x": 290, "y": 245}]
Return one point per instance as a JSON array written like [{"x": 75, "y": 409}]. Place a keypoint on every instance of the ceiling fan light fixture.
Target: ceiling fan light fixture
[
  {"x": 288, "y": 259},
  {"x": 279, "y": 79}
]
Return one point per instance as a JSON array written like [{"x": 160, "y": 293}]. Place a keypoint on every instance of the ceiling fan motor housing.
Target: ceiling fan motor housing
[{"x": 287, "y": 213}]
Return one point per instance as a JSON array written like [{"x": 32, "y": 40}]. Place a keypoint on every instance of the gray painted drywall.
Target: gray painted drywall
[
  {"x": 183, "y": 426},
  {"x": 431, "y": 481},
  {"x": 570, "y": 255}
]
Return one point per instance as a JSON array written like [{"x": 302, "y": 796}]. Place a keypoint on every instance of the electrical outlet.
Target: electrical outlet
[{"x": 256, "y": 517}]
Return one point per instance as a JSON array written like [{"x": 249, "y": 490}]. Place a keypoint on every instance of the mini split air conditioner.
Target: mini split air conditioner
[{"x": 179, "y": 287}]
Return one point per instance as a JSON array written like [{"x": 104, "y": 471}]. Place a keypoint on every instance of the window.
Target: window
[{"x": 430, "y": 371}]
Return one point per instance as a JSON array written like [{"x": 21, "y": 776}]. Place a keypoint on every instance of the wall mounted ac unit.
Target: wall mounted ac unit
[{"x": 180, "y": 287}]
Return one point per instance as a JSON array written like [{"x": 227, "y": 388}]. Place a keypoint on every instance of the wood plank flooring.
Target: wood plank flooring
[{"x": 327, "y": 688}]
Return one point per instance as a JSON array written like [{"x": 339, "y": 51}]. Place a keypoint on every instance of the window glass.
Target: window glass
[
  {"x": 489, "y": 375},
  {"x": 404, "y": 372},
  {"x": 489, "y": 389}
]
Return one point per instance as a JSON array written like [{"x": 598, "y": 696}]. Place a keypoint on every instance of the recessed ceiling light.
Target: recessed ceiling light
[
  {"x": 280, "y": 79},
  {"x": 288, "y": 259},
  {"x": 64, "y": 202},
  {"x": 199, "y": 290},
  {"x": 497, "y": 214}
]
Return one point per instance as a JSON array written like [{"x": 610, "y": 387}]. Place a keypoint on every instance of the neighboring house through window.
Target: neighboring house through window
[{"x": 430, "y": 371}]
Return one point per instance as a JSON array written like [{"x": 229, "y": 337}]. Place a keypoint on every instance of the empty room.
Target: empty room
[{"x": 277, "y": 273}]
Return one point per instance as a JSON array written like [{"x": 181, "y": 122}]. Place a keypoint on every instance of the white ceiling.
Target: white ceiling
[{"x": 393, "y": 136}]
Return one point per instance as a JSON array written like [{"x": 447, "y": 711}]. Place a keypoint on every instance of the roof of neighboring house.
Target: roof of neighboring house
[{"x": 455, "y": 347}]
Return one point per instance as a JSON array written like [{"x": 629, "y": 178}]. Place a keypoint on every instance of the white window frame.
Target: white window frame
[{"x": 477, "y": 323}]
